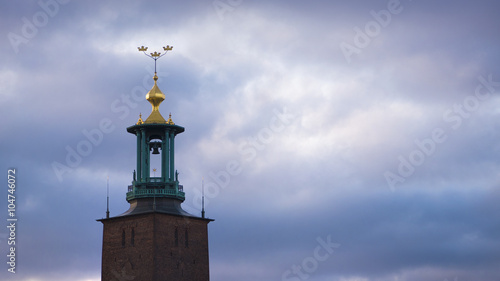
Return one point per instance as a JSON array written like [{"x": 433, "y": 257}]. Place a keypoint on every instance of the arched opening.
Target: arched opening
[{"x": 155, "y": 157}]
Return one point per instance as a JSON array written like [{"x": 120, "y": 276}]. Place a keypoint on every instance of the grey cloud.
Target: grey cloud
[{"x": 322, "y": 176}]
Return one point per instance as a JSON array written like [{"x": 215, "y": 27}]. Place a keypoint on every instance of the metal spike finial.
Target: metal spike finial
[
  {"x": 202, "y": 198},
  {"x": 107, "y": 198}
]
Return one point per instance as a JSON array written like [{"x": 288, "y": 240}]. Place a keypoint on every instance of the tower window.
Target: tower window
[
  {"x": 123, "y": 238},
  {"x": 176, "y": 237},
  {"x": 186, "y": 236},
  {"x": 132, "y": 237}
]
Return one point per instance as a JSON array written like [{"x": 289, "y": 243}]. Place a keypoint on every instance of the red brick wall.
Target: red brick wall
[{"x": 155, "y": 253}]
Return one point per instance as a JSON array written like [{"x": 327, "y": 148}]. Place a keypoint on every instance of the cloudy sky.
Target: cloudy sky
[{"x": 338, "y": 140}]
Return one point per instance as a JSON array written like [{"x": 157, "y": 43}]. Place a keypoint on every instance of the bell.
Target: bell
[
  {"x": 155, "y": 150},
  {"x": 155, "y": 146}
]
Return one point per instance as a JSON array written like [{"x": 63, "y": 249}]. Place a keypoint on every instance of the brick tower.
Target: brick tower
[{"x": 155, "y": 239}]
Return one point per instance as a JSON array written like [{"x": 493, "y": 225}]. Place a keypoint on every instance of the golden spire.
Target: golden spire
[
  {"x": 140, "y": 122},
  {"x": 170, "y": 121},
  {"x": 155, "y": 96}
]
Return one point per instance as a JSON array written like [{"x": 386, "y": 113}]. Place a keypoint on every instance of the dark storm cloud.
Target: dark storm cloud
[{"x": 379, "y": 234}]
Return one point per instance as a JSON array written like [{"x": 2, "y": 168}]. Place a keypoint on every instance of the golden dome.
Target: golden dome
[{"x": 155, "y": 97}]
